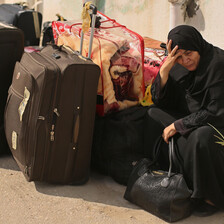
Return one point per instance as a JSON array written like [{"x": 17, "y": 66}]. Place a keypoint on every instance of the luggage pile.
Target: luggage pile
[
  {"x": 19, "y": 27},
  {"x": 53, "y": 96},
  {"x": 50, "y": 112},
  {"x": 28, "y": 20}
]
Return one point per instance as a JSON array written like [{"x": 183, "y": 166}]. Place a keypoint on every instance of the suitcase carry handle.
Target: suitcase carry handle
[
  {"x": 113, "y": 22},
  {"x": 94, "y": 12},
  {"x": 76, "y": 125}
]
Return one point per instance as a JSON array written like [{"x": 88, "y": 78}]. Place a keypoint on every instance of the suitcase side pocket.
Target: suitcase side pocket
[{"x": 17, "y": 113}]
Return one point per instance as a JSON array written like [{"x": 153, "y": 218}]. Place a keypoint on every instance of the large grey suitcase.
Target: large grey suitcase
[{"x": 50, "y": 115}]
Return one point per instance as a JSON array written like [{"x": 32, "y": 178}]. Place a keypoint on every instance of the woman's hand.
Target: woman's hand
[
  {"x": 169, "y": 63},
  {"x": 169, "y": 132}
]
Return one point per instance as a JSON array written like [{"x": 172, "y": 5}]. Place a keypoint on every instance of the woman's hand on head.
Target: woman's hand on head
[
  {"x": 168, "y": 132},
  {"x": 170, "y": 61}
]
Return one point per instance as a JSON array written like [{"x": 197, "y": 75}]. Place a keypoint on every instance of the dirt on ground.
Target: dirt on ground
[{"x": 99, "y": 201}]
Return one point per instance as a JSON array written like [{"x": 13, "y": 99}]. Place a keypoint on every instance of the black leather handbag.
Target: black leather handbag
[{"x": 164, "y": 194}]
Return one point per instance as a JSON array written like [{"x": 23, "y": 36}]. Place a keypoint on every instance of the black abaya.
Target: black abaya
[
  {"x": 201, "y": 158},
  {"x": 192, "y": 101}
]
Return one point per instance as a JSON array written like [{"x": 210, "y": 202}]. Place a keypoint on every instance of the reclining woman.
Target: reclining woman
[{"x": 188, "y": 96}]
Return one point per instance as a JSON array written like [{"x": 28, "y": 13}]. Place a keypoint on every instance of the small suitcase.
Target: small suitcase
[
  {"x": 28, "y": 20},
  {"x": 50, "y": 113},
  {"x": 11, "y": 47}
]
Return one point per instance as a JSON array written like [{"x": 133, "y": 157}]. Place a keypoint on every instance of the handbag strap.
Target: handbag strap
[
  {"x": 173, "y": 159},
  {"x": 171, "y": 154},
  {"x": 166, "y": 180},
  {"x": 157, "y": 150}
]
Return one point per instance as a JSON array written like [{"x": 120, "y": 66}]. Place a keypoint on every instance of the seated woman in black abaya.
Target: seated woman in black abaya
[{"x": 188, "y": 95}]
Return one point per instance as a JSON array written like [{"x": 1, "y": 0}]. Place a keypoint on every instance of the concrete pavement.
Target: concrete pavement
[{"x": 100, "y": 201}]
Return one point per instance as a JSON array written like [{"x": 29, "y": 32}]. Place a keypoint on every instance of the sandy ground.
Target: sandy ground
[{"x": 100, "y": 201}]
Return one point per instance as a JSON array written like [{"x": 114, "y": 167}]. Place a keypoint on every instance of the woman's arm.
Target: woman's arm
[
  {"x": 169, "y": 63},
  {"x": 212, "y": 114},
  {"x": 163, "y": 87},
  {"x": 192, "y": 121}
]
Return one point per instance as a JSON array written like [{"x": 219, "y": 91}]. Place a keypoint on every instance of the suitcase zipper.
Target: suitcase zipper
[
  {"x": 52, "y": 117},
  {"x": 55, "y": 115},
  {"x": 55, "y": 98},
  {"x": 32, "y": 162}
]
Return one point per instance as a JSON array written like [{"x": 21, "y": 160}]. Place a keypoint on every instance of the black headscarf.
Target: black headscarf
[
  {"x": 211, "y": 66},
  {"x": 187, "y": 38}
]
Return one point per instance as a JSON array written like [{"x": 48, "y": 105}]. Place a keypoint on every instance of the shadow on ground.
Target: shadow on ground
[
  {"x": 7, "y": 162},
  {"x": 99, "y": 188}
]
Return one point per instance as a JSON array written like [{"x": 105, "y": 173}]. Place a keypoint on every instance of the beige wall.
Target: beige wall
[
  {"x": 147, "y": 17},
  {"x": 209, "y": 20},
  {"x": 70, "y": 9}
]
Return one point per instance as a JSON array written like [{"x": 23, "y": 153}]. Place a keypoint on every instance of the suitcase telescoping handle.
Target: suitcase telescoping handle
[{"x": 94, "y": 12}]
